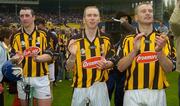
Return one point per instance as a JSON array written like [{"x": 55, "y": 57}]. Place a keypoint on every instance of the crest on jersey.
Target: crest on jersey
[
  {"x": 22, "y": 43},
  {"x": 38, "y": 41},
  {"x": 82, "y": 52}
]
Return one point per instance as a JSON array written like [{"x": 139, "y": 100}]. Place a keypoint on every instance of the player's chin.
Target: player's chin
[
  {"x": 92, "y": 26},
  {"x": 25, "y": 25}
]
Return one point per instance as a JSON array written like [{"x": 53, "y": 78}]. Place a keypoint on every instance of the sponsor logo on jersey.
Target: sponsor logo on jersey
[
  {"x": 147, "y": 57},
  {"x": 91, "y": 62}
]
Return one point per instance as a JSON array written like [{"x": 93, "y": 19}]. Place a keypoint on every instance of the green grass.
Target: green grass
[
  {"x": 172, "y": 91},
  {"x": 63, "y": 93}
]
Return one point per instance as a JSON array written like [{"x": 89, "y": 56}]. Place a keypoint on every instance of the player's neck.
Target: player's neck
[
  {"x": 147, "y": 29},
  {"x": 29, "y": 29},
  {"x": 91, "y": 33}
]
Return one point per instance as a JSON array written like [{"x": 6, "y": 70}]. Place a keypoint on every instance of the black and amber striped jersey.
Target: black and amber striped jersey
[
  {"x": 100, "y": 46},
  {"x": 53, "y": 41},
  {"x": 62, "y": 41},
  {"x": 22, "y": 41},
  {"x": 52, "y": 38},
  {"x": 145, "y": 70}
]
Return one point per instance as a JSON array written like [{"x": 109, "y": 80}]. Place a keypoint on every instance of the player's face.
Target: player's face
[
  {"x": 145, "y": 14},
  {"x": 91, "y": 18},
  {"x": 26, "y": 18}
]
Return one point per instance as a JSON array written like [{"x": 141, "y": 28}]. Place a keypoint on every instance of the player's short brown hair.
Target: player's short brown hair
[
  {"x": 137, "y": 7},
  {"x": 88, "y": 7},
  {"x": 28, "y": 8}
]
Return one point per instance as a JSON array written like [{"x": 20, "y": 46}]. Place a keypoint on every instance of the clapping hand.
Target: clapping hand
[
  {"x": 160, "y": 42},
  {"x": 137, "y": 41}
]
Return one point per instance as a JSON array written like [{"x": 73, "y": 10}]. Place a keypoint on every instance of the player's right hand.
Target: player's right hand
[
  {"x": 160, "y": 42},
  {"x": 137, "y": 41},
  {"x": 17, "y": 59}
]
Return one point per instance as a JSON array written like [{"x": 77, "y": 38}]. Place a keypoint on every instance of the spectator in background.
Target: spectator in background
[
  {"x": 116, "y": 79},
  {"x": 60, "y": 62}
]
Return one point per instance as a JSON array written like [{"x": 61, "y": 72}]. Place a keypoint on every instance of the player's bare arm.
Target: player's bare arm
[
  {"x": 42, "y": 58},
  {"x": 163, "y": 59},
  {"x": 72, "y": 47},
  {"x": 126, "y": 61}
]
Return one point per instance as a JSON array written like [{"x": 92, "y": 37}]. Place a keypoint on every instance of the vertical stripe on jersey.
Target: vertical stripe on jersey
[
  {"x": 146, "y": 66},
  {"x": 37, "y": 43},
  {"x": 99, "y": 72},
  {"x": 89, "y": 53},
  {"x": 44, "y": 65},
  {"x": 84, "y": 74},
  {"x": 141, "y": 65},
  {"x": 33, "y": 43},
  {"x": 125, "y": 53},
  {"x": 30, "y": 58},
  {"x": 152, "y": 65},
  {"x": 135, "y": 77},
  {"x": 129, "y": 81},
  {"x": 156, "y": 76},
  {"x": 23, "y": 47},
  {"x": 95, "y": 52}
]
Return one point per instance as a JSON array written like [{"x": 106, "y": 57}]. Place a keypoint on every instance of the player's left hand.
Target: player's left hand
[
  {"x": 160, "y": 42},
  {"x": 35, "y": 58},
  {"x": 102, "y": 64}
]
